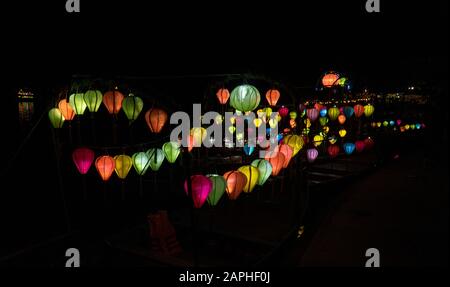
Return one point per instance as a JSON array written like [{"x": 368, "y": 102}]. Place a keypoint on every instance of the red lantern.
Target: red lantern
[
  {"x": 318, "y": 106},
  {"x": 329, "y": 80},
  {"x": 156, "y": 119},
  {"x": 272, "y": 97},
  {"x": 201, "y": 186},
  {"x": 83, "y": 158},
  {"x": 105, "y": 166},
  {"x": 276, "y": 159},
  {"x": 283, "y": 111},
  {"x": 223, "y": 95},
  {"x": 287, "y": 151},
  {"x": 359, "y": 110},
  {"x": 359, "y": 146},
  {"x": 368, "y": 143},
  {"x": 333, "y": 150},
  {"x": 236, "y": 182},
  {"x": 113, "y": 101}
]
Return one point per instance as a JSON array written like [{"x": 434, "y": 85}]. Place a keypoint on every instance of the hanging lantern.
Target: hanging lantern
[
  {"x": 257, "y": 122},
  {"x": 201, "y": 186},
  {"x": 368, "y": 110},
  {"x": 391, "y": 123},
  {"x": 113, "y": 101},
  {"x": 332, "y": 139},
  {"x": 171, "y": 151},
  {"x": 326, "y": 129},
  {"x": 333, "y": 113},
  {"x": 268, "y": 112},
  {"x": 349, "y": 148},
  {"x": 273, "y": 123},
  {"x": 399, "y": 122},
  {"x": 318, "y": 107},
  {"x": 385, "y": 123},
  {"x": 223, "y": 95},
  {"x": 56, "y": 118},
  {"x": 218, "y": 119},
  {"x": 245, "y": 98},
  {"x": 77, "y": 103},
  {"x": 341, "y": 82},
  {"x": 83, "y": 159},
  {"x": 317, "y": 140},
  {"x": 311, "y": 154},
  {"x": 236, "y": 182},
  {"x": 293, "y": 115},
  {"x": 378, "y": 124},
  {"x": 276, "y": 159},
  {"x": 140, "y": 162},
  {"x": 301, "y": 108},
  {"x": 341, "y": 119},
  {"x": 323, "y": 112},
  {"x": 249, "y": 149},
  {"x": 406, "y": 127},
  {"x": 123, "y": 165},
  {"x": 333, "y": 150},
  {"x": 252, "y": 175},
  {"x": 156, "y": 119},
  {"x": 312, "y": 114},
  {"x": 348, "y": 111},
  {"x": 66, "y": 110},
  {"x": 105, "y": 166},
  {"x": 288, "y": 153},
  {"x": 199, "y": 135},
  {"x": 93, "y": 100},
  {"x": 359, "y": 146},
  {"x": 330, "y": 79},
  {"x": 132, "y": 107},
  {"x": 402, "y": 129},
  {"x": 190, "y": 142},
  {"x": 264, "y": 168},
  {"x": 272, "y": 97},
  {"x": 155, "y": 158},
  {"x": 295, "y": 142},
  {"x": 231, "y": 129},
  {"x": 359, "y": 110},
  {"x": 323, "y": 121},
  {"x": 342, "y": 133},
  {"x": 418, "y": 126},
  {"x": 292, "y": 123},
  {"x": 283, "y": 111},
  {"x": 217, "y": 190}
]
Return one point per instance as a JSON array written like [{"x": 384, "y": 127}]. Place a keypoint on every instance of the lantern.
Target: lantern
[
  {"x": 317, "y": 140},
  {"x": 359, "y": 146},
  {"x": 399, "y": 122},
  {"x": 140, "y": 162},
  {"x": 113, "y": 101},
  {"x": 341, "y": 82},
  {"x": 276, "y": 159},
  {"x": 56, "y": 118},
  {"x": 93, "y": 100},
  {"x": 199, "y": 135},
  {"x": 171, "y": 151},
  {"x": 378, "y": 124},
  {"x": 349, "y": 148},
  {"x": 312, "y": 114},
  {"x": 249, "y": 149},
  {"x": 123, "y": 165},
  {"x": 385, "y": 123},
  {"x": 348, "y": 111},
  {"x": 418, "y": 126},
  {"x": 318, "y": 106},
  {"x": 332, "y": 139},
  {"x": 245, "y": 98},
  {"x": 333, "y": 150},
  {"x": 283, "y": 111},
  {"x": 273, "y": 123},
  {"x": 77, "y": 103},
  {"x": 155, "y": 158},
  {"x": 359, "y": 110},
  {"x": 83, "y": 159},
  {"x": 391, "y": 123},
  {"x": 156, "y": 119},
  {"x": 236, "y": 182},
  {"x": 217, "y": 190},
  {"x": 66, "y": 110},
  {"x": 329, "y": 79},
  {"x": 293, "y": 115},
  {"x": 264, "y": 168},
  {"x": 218, "y": 120},
  {"x": 323, "y": 112},
  {"x": 292, "y": 123},
  {"x": 257, "y": 122},
  {"x": 333, "y": 113},
  {"x": 341, "y": 119},
  {"x": 223, "y": 95},
  {"x": 406, "y": 127},
  {"x": 132, "y": 106},
  {"x": 272, "y": 97},
  {"x": 295, "y": 142},
  {"x": 105, "y": 166},
  {"x": 368, "y": 110},
  {"x": 190, "y": 143},
  {"x": 287, "y": 151},
  {"x": 268, "y": 112},
  {"x": 201, "y": 186},
  {"x": 252, "y": 175},
  {"x": 323, "y": 121},
  {"x": 326, "y": 129},
  {"x": 311, "y": 154}
]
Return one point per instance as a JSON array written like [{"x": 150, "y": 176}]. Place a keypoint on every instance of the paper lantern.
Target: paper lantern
[
  {"x": 190, "y": 143},
  {"x": 318, "y": 107},
  {"x": 399, "y": 122},
  {"x": 105, "y": 166},
  {"x": 123, "y": 164},
  {"x": 264, "y": 168},
  {"x": 268, "y": 112},
  {"x": 311, "y": 154},
  {"x": 83, "y": 159},
  {"x": 341, "y": 119},
  {"x": 359, "y": 146},
  {"x": 56, "y": 118},
  {"x": 312, "y": 114},
  {"x": 249, "y": 149},
  {"x": 93, "y": 100},
  {"x": 77, "y": 103},
  {"x": 329, "y": 79},
  {"x": 273, "y": 123},
  {"x": 317, "y": 140},
  {"x": 323, "y": 121},
  {"x": 155, "y": 158},
  {"x": 288, "y": 153},
  {"x": 301, "y": 108},
  {"x": 349, "y": 148},
  {"x": 236, "y": 182},
  {"x": 156, "y": 119},
  {"x": 199, "y": 135},
  {"x": 245, "y": 98},
  {"x": 406, "y": 127},
  {"x": 385, "y": 123},
  {"x": 140, "y": 162},
  {"x": 171, "y": 151},
  {"x": 113, "y": 101},
  {"x": 295, "y": 142},
  {"x": 341, "y": 82},
  {"x": 348, "y": 111},
  {"x": 272, "y": 97},
  {"x": 323, "y": 112},
  {"x": 293, "y": 115},
  {"x": 333, "y": 150},
  {"x": 276, "y": 160},
  {"x": 391, "y": 123},
  {"x": 342, "y": 133},
  {"x": 359, "y": 110},
  {"x": 332, "y": 139},
  {"x": 368, "y": 110},
  {"x": 257, "y": 122},
  {"x": 283, "y": 111},
  {"x": 418, "y": 126},
  {"x": 292, "y": 123},
  {"x": 132, "y": 106},
  {"x": 223, "y": 95},
  {"x": 252, "y": 175},
  {"x": 333, "y": 113},
  {"x": 217, "y": 190},
  {"x": 201, "y": 186},
  {"x": 66, "y": 110},
  {"x": 326, "y": 129}
]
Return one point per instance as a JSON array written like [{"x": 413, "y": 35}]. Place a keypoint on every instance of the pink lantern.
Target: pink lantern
[
  {"x": 399, "y": 122},
  {"x": 359, "y": 146},
  {"x": 283, "y": 111},
  {"x": 311, "y": 155},
  {"x": 201, "y": 186},
  {"x": 83, "y": 159},
  {"x": 312, "y": 114}
]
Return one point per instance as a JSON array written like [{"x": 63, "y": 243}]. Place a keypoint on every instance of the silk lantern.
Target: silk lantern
[
  {"x": 333, "y": 113},
  {"x": 105, "y": 166},
  {"x": 312, "y": 114},
  {"x": 333, "y": 150},
  {"x": 201, "y": 186},
  {"x": 348, "y": 111},
  {"x": 311, "y": 154},
  {"x": 323, "y": 112},
  {"x": 332, "y": 139},
  {"x": 83, "y": 159},
  {"x": 272, "y": 97},
  {"x": 292, "y": 123},
  {"x": 341, "y": 119},
  {"x": 113, "y": 101},
  {"x": 318, "y": 107},
  {"x": 171, "y": 151},
  {"x": 140, "y": 162},
  {"x": 249, "y": 149},
  {"x": 342, "y": 133},
  {"x": 252, "y": 175},
  {"x": 293, "y": 115},
  {"x": 323, "y": 121},
  {"x": 156, "y": 119},
  {"x": 276, "y": 160},
  {"x": 66, "y": 110},
  {"x": 132, "y": 106},
  {"x": 93, "y": 100},
  {"x": 359, "y": 110},
  {"x": 295, "y": 142},
  {"x": 123, "y": 164},
  {"x": 199, "y": 135},
  {"x": 257, "y": 122},
  {"x": 245, "y": 98},
  {"x": 317, "y": 140},
  {"x": 283, "y": 111},
  {"x": 56, "y": 118},
  {"x": 359, "y": 146},
  {"x": 77, "y": 103},
  {"x": 236, "y": 182},
  {"x": 368, "y": 110},
  {"x": 349, "y": 148},
  {"x": 223, "y": 95},
  {"x": 217, "y": 190},
  {"x": 288, "y": 153},
  {"x": 399, "y": 122},
  {"x": 155, "y": 158},
  {"x": 329, "y": 79},
  {"x": 264, "y": 168}
]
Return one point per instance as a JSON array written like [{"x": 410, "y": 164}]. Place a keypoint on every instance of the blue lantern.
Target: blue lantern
[
  {"x": 392, "y": 123},
  {"x": 349, "y": 148},
  {"x": 249, "y": 149},
  {"x": 323, "y": 112},
  {"x": 418, "y": 126},
  {"x": 279, "y": 137},
  {"x": 348, "y": 111}
]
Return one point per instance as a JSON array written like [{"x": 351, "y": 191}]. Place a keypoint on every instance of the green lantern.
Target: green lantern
[
  {"x": 217, "y": 190},
  {"x": 333, "y": 113},
  {"x": 156, "y": 158},
  {"x": 56, "y": 118},
  {"x": 245, "y": 98},
  {"x": 265, "y": 170},
  {"x": 93, "y": 100},
  {"x": 140, "y": 162},
  {"x": 323, "y": 121},
  {"x": 132, "y": 106},
  {"x": 77, "y": 103},
  {"x": 171, "y": 151}
]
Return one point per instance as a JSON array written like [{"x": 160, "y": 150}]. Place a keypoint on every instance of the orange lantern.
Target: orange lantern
[
  {"x": 105, "y": 166},
  {"x": 272, "y": 97},
  {"x": 223, "y": 95},
  {"x": 276, "y": 159},
  {"x": 341, "y": 119},
  {"x": 113, "y": 101},
  {"x": 66, "y": 110},
  {"x": 236, "y": 182},
  {"x": 329, "y": 79},
  {"x": 287, "y": 151},
  {"x": 156, "y": 119}
]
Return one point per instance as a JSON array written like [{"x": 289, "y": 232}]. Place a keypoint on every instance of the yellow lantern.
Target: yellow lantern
[
  {"x": 326, "y": 129},
  {"x": 199, "y": 135},
  {"x": 407, "y": 127},
  {"x": 332, "y": 139},
  {"x": 268, "y": 112},
  {"x": 233, "y": 120},
  {"x": 368, "y": 110},
  {"x": 307, "y": 122},
  {"x": 257, "y": 122},
  {"x": 317, "y": 140},
  {"x": 261, "y": 113},
  {"x": 232, "y": 129},
  {"x": 295, "y": 142},
  {"x": 273, "y": 123},
  {"x": 123, "y": 164},
  {"x": 379, "y": 124},
  {"x": 252, "y": 175},
  {"x": 278, "y": 118},
  {"x": 342, "y": 133},
  {"x": 218, "y": 120}
]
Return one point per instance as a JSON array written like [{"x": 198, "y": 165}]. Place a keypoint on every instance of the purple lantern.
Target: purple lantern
[
  {"x": 201, "y": 187},
  {"x": 311, "y": 154},
  {"x": 312, "y": 114}
]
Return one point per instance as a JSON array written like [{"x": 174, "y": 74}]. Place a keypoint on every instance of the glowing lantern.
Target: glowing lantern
[
  {"x": 412, "y": 127},
  {"x": 276, "y": 159},
  {"x": 273, "y": 123},
  {"x": 406, "y": 127},
  {"x": 332, "y": 139},
  {"x": 295, "y": 142},
  {"x": 56, "y": 118},
  {"x": 105, "y": 166},
  {"x": 223, "y": 95},
  {"x": 341, "y": 119},
  {"x": 156, "y": 119},
  {"x": 323, "y": 121},
  {"x": 265, "y": 170},
  {"x": 201, "y": 186},
  {"x": 288, "y": 153},
  {"x": 333, "y": 113},
  {"x": 113, "y": 101},
  {"x": 232, "y": 129},
  {"x": 342, "y": 133},
  {"x": 249, "y": 149},
  {"x": 323, "y": 112},
  {"x": 368, "y": 110},
  {"x": 341, "y": 82},
  {"x": 257, "y": 122},
  {"x": 236, "y": 182},
  {"x": 245, "y": 98},
  {"x": 301, "y": 108},
  {"x": 378, "y": 124},
  {"x": 293, "y": 115},
  {"x": 93, "y": 100},
  {"x": 326, "y": 129},
  {"x": 123, "y": 165},
  {"x": 391, "y": 123},
  {"x": 155, "y": 158},
  {"x": 217, "y": 190},
  {"x": 66, "y": 110},
  {"x": 418, "y": 126},
  {"x": 268, "y": 112},
  {"x": 368, "y": 143},
  {"x": 349, "y": 148},
  {"x": 190, "y": 142},
  {"x": 292, "y": 123},
  {"x": 272, "y": 97},
  {"x": 171, "y": 151},
  {"x": 252, "y": 175},
  {"x": 283, "y": 111},
  {"x": 348, "y": 111},
  {"x": 199, "y": 135},
  {"x": 218, "y": 120},
  {"x": 132, "y": 107},
  {"x": 260, "y": 113},
  {"x": 333, "y": 150},
  {"x": 399, "y": 122},
  {"x": 329, "y": 79},
  {"x": 359, "y": 146},
  {"x": 402, "y": 129},
  {"x": 317, "y": 140},
  {"x": 318, "y": 106},
  {"x": 312, "y": 114},
  {"x": 385, "y": 123},
  {"x": 359, "y": 110},
  {"x": 140, "y": 162},
  {"x": 83, "y": 159},
  {"x": 77, "y": 103},
  {"x": 307, "y": 122},
  {"x": 311, "y": 154}
]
